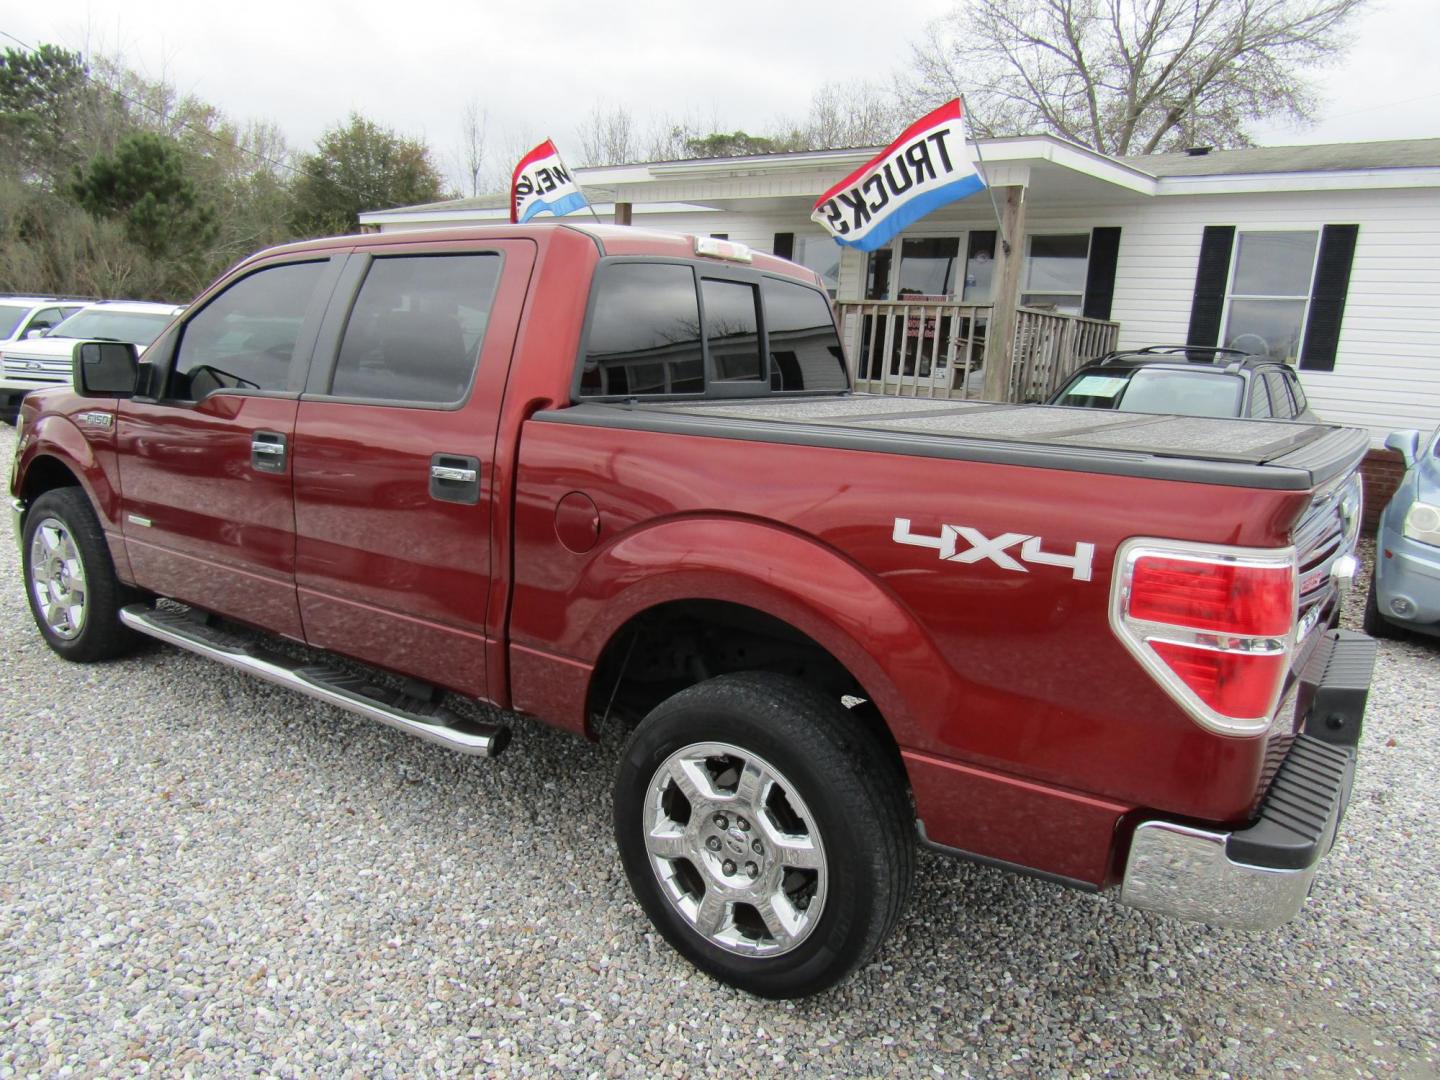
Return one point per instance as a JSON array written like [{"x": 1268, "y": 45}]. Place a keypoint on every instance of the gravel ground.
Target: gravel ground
[{"x": 201, "y": 875}]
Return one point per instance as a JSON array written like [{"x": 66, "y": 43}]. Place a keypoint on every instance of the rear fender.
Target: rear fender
[{"x": 785, "y": 575}]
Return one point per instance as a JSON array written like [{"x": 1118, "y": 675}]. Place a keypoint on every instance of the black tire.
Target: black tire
[
  {"x": 1375, "y": 624},
  {"x": 849, "y": 795},
  {"x": 100, "y": 635}
]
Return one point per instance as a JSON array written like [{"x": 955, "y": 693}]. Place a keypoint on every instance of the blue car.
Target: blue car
[{"x": 1405, "y": 588}]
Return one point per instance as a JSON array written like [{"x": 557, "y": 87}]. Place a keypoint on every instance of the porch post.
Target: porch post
[{"x": 1000, "y": 341}]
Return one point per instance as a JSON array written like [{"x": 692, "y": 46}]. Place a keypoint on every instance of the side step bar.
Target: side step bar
[{"x": 342, "y": 689}]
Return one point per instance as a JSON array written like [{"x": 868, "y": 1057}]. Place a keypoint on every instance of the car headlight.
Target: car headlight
[{"x": 1422, "y": 523}]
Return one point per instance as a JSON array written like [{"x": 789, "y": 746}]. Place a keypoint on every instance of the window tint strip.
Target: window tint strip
[{"x": 1327, "y": 297}]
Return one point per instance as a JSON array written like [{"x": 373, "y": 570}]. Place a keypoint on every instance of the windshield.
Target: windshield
[
  {"x": 1158, "y": 390},
  {"x": 10, "y": 316},
  {"x": 136, "y": 327}
]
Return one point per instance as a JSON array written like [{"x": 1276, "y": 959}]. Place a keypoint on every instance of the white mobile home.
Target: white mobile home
[{"x": 1327, "y": 256}]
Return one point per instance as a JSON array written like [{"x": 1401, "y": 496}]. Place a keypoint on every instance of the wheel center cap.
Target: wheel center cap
[{"x": 735, "y": 841}]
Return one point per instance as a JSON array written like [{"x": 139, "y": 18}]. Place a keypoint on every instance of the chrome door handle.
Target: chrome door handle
[
  {"x": 268, "y": 451},
  {"x": 459, "y": 476}
]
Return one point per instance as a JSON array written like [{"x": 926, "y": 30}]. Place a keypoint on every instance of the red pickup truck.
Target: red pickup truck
[{"x": 602, "y": 475}]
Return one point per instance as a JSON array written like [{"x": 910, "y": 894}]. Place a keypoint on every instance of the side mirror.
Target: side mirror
[
  {"x": 1407, "y": 443},
  {"x": 34, "y": 332},
  {"x": 105, "y": 368}
]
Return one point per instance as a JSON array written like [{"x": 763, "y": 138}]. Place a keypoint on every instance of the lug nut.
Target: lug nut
[
  {"x": 713, "y": 843},
  {"x": 757, "y": 847},
  {"x": 744, "y": 825},
  {"x": 721, "y": 821},
  {"x": 728, "y": 867},
  {"x": 752, "y": 870}
]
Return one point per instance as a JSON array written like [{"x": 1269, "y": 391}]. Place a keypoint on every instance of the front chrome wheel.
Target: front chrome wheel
[
  {"x": 57, "y": 579},
  {"x": 735, "y": 849}
]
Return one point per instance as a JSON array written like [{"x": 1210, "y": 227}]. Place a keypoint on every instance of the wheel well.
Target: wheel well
[
  {"x": 662, "y": 651},
  {"x": 46, "y": 474}
]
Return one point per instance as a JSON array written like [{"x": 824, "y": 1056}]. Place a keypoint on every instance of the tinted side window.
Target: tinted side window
[
  {"x": 414, "y": 333},
  {"x": 732, "y": 329},
  {"x": 1259, "y": 398},
  {"x": 45, "y": 318},
  {"x": 644, "y": 332},
  {"x": 1297, "y": 391},
  {"x": 805, "y": 351},
  {"x": 1279, "y": 395},
  {"x": 245, "y": 338}
]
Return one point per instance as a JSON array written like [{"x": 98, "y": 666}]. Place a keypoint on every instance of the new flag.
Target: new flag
[
  {"x": 921, "y": 171},
  {"x": 541, "y": 184}
]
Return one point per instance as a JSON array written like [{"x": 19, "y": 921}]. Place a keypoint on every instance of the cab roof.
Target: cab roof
[{"x": 608, "y": 240}]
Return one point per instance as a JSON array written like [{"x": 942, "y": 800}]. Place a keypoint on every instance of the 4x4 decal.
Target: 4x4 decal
[{"x": 997, "y": 549}]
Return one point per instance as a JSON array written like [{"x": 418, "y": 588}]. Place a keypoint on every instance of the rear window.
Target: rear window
[
  {"x": 645, "y": 332},
  {"x": 656, "y": 329},
  {"x": 1157, "y": 390},
  {"x": 805, "y": 352}
]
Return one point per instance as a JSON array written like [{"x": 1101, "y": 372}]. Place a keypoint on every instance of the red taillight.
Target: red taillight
[
  {"x": 1215, "y": 626},
  {"x": 1228, "y": 598}
]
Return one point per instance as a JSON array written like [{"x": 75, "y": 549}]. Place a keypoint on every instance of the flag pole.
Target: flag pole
[{"x": 989, "y": 189}]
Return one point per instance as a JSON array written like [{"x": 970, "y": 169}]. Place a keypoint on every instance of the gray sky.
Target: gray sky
[{"x": 538, "y": 68}]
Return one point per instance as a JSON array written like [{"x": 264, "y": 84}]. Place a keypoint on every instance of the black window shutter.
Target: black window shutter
[
  {"x": 1100, "y": 276},
  {"x": 784, "y": 245},
  {"x": 1327, "y": 297},
  {"x": 1210, "y": 278}
]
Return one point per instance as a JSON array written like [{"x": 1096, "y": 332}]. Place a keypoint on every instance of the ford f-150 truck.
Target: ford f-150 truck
[{"x": 599, "y": 475}]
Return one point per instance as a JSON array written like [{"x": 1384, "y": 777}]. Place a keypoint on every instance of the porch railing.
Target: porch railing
[{"x": 913, "y": 348}]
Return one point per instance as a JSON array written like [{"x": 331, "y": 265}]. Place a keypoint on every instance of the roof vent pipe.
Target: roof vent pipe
[{"x": 1198, "y": 151}]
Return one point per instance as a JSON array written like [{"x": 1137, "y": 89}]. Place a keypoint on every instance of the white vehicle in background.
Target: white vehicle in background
[
  {"x": 24, "y": 317},
  {"x": 38, "y": 362}
]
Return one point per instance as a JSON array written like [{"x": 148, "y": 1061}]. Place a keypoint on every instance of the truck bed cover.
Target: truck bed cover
[{"x": 1277, "y": 454}]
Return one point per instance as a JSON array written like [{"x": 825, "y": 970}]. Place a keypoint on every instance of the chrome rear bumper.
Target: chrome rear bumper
[{"x": 1258, "y": 877}]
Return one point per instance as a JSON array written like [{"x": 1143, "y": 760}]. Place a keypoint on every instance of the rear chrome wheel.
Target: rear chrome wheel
[
  {"x": 765, "y": 830},
  {"x": 735, "y": 849}
]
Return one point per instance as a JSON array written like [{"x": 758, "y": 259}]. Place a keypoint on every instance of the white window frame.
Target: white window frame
[
  {"x": 1318, "y": 232},
  {"x": 896, "y": 248},
  {"x": 1089, "y": 235}
]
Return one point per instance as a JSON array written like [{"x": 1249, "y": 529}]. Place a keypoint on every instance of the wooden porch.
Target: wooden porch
[{"x": 911, "y": 348}]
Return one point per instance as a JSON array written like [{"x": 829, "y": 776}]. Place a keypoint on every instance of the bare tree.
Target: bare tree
[
  {"x": 1129, "y": 76},
  {"x": 847, "y": 114},
  {"x": 470, "y": 159},
  {"x": 608, "y": 137}
]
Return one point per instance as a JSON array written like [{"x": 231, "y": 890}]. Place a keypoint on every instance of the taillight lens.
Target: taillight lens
[{"x": 1215, "y": 626}]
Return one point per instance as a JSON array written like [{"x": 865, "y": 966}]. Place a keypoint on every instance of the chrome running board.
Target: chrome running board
[{"x": 330, "y": 685}]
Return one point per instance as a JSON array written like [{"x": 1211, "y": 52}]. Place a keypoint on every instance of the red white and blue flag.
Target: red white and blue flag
[
  {"x": 921, "y": 171},
  {"x": 541, "y": 184}
]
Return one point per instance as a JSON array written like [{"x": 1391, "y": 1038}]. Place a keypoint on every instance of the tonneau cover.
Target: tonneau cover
[{"x": 1245, "y": 453}]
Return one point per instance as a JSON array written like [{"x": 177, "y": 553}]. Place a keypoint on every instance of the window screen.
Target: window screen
[
  {"x": 644, "y": 332},
  {"x": 732, "y": 329},
  {"x": 1270, "y": 292},
  {"x": 245, "y": 338},
  {"x": 805, "y": 352},
  {"x": 416, "y": 328}
]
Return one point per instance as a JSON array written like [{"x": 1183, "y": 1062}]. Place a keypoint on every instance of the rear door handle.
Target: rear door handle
[
  {"x": 268, "y": 451},
  {"x": 455, "y": 478}
]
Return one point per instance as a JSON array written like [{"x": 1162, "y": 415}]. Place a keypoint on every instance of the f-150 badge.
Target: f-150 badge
[{"x": 997, "y": 549}]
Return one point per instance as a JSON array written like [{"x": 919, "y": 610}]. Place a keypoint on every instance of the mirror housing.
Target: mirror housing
[
  {"x": 1407, "y": 443},
  {"x": 105, "y": 369}
]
